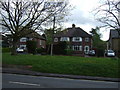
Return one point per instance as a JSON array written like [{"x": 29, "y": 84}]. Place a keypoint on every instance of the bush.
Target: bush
[
  {"x": 100, "y": 53},
  {"x": 59, "y": 48},
  {"x": 31, "y": 46},
  {"x": 69, "y": 51},
  {"x": 4, "y": 50},
  {"x": 5, "y": 44},
  {"x": 40, "y": 50}
]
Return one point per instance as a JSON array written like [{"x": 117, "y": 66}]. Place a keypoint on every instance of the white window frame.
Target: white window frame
[
  {"x": 30, "y": 38},
  {"x": 23, "y": 39},
  {"x": 77, "y": 48},
  {"x": 55, "y": 39},
  {"x": 40, "y": 42},
  {"x": 64, "y": 39},
  {"x": 77, "y": 39}
]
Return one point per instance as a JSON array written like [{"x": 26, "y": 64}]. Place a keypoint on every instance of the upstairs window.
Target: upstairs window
[
  {"x": 65, "y": 39},
  {"x": 40, "y": 42},
  {"x": 86, "y": 39},
  {"x": 23, "y": 39},
  {"x": 55, "y": 39},
  {"x": 77, "y": 39},
  {"x": 30, "y": 38}
]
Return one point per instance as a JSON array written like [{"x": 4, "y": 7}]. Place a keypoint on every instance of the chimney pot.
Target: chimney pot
[{"x": 73, "y": 25}]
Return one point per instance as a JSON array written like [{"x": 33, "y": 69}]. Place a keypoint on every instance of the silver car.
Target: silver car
[{"x": 109, "y": 53}]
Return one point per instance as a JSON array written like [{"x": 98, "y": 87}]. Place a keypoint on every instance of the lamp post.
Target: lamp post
[{"x": 52, "y": 42}]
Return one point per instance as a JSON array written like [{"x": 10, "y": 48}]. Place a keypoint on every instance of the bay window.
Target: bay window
[{"x": 77, "y": 39}]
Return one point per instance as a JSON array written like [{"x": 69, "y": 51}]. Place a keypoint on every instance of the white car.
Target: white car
[
  {"x": 110, "y": 53},
  {"x": 20, "y": 50},
  {"x": 91, "y": 53}
]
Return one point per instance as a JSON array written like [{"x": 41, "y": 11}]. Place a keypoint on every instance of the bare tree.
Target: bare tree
[
  {"x": 109, "y": 14},
  {"x": 21, "y": 18}
]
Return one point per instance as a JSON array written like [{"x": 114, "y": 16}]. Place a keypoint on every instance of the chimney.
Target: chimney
[{"x": 73, "y": 25}]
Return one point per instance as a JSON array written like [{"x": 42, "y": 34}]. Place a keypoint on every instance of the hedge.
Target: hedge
[{"x": 4, "y": 50}]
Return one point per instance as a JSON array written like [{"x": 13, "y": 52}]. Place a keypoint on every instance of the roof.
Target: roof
[
  {"x": 35, "y": 35},
  {"x": 73, "y": 32},
  {"x": 31, "y": 35},
  {"x": 114, "y": 34}
]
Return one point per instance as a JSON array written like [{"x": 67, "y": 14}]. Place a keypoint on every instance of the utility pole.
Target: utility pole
[{"x": 52, "y": 36}]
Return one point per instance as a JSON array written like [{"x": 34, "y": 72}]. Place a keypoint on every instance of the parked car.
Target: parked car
[
  {"x": 20, "y": 50},
  {"x": 91, "y": 53},
  {"x": 109, "y": 53}
]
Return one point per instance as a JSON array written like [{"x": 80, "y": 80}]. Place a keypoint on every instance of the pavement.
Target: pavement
[{"x": 33, "y": 73}]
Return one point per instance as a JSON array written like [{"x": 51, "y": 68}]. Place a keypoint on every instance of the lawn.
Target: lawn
[{"x": 75, "y": 65}]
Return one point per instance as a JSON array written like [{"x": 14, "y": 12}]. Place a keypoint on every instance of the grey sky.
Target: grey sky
[{"x": 82, "y": 16}]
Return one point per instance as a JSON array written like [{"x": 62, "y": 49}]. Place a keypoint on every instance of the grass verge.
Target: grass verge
[{"x": 90, "y": 66}]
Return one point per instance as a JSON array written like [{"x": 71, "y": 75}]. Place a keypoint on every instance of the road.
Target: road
[{"x": 25, "y": 81}]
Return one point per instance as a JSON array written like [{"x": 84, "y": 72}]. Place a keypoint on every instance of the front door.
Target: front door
[{"x": 86, "y": 49}]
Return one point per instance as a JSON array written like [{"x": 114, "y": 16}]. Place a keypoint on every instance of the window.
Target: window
[
  {"x": 77, "y": 48},
  {"x": 77, "y": 39},
  {"x": 86, "y": 39},
  {"x": 64, "y": 39},
  {"x": 40, "y": 42},
  {"x": 30, "y": 38},
  {"x": 23, "y": 39},
  {"x": 55, "y": 39}
]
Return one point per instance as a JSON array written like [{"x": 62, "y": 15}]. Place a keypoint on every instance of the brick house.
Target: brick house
[
  {"x": 78, "y": 40},
  {"x": 41, "y": 42},
  {"x": 114, "y": 41}
]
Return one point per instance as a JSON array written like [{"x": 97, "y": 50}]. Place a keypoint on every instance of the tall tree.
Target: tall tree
[
  {"x": 97, "y": 42},
  {"x": 109, "y": 14},
  {"x": 21, "y": 18}
]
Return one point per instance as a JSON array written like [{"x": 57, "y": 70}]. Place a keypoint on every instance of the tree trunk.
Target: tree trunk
[
  {"x": 51, "y": 51},
  {"x": 14, "y": 47},
  {"x": 48, "y": 49}
]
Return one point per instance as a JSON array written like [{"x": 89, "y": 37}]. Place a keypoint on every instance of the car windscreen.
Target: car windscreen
[{"x": 110, "y": 51}]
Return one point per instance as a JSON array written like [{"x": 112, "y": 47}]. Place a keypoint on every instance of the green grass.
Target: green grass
[{"x": 92, "y": 66}]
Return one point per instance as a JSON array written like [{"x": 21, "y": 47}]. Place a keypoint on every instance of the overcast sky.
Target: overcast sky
[{"x": 82, "y": 16}]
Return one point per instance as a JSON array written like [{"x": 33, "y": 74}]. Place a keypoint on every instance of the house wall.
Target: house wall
[
  {"x": 87, "y": 44},
  {"x": 40, "y": 43},
  {"x": 116, "y": 44},
  {"x": 83, "y": 44}
]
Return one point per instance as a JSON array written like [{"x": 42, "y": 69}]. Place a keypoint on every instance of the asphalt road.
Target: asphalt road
[{"x": 25, "y": 81}]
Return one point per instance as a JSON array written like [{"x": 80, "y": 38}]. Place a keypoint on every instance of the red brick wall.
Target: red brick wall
[
  {"x": 83, "y": 44},
  {"x": 43, "y": 44}
]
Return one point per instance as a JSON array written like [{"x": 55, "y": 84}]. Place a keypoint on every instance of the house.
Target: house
[
  {"x": 41, "y": 42},
  {"x": 79, "y": 40},
  {"x": 114, "y": 41}
]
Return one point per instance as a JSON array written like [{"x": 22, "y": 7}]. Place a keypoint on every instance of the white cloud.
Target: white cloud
[{"x": 82, "y": 16}]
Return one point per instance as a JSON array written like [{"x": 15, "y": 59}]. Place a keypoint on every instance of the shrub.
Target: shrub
[
  {"x": 40, "y": 50},
  {"x": 31, "y": 46},
  {"x": 4, "y": 50},
  {"x": 100, "y": 53},
  {"x": 69, "y": 51},
  {"x": 59, "y": 48}
]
